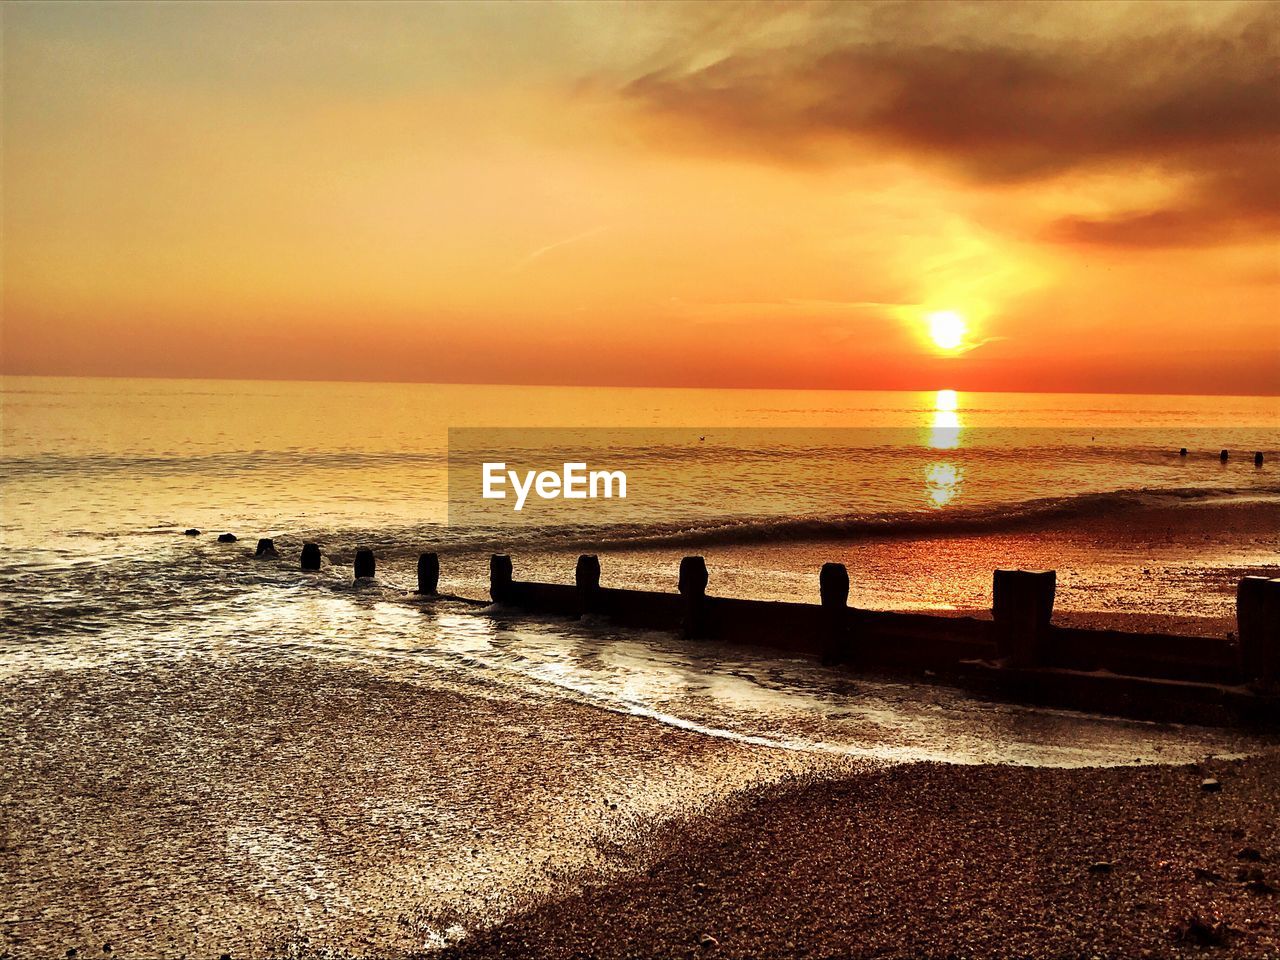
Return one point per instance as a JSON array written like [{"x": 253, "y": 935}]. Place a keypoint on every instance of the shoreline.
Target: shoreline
[{"x": 934, "y": 860}]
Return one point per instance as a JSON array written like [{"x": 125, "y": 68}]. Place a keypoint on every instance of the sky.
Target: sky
[{"x": 1083, "y": 197}]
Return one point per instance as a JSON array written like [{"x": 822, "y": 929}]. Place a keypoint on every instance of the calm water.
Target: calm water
[{"x": 109, "y": 459}]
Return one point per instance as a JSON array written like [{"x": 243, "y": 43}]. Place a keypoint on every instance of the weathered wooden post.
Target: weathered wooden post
[
  {"x": 1182, "y": 452},
  {"x": 365, "y": 564},
  {"x": 1224, "y": 455},
  {"x": 1257, "y": 459},
  {"x": 266, "y": 549},
  {"x": 693, "y": 587},
  {"x": 500, "y": 578},
  {"x": 586, "y": 576},
  {"x": 833, "y": 585},
  {"x": 311, "y": 556},
  {"x": 1022, "y": 606},
  {"x": 1258, "y": 626},
  {"x": 428, "y": 573}
]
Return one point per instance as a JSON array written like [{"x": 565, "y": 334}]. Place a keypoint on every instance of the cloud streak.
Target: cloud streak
[{"x": 537, "y": 254}]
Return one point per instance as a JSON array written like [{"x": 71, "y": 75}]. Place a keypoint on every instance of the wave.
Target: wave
[
  {"x": 222, "y": 463},
  {"x": 996, "y": 518}
]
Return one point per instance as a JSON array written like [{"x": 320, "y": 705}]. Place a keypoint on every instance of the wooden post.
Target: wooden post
[
  {"x": 500, "y": 578},
  {"x": 428, "y": 573},
  {"x": 310, "y": 556},
  {"x": 693, "y": 587},
  {"x": 266, "y": 549},
  {"x": 1257, "y": 459},
  {"x": 1258, "y": 623},
  {"x": 365, "y": 564},
  {"x": 833, "y": 585},
  {"x": 1224, "y": 455},
  {"x": 1022, "y": 607},
  {"x": 587, "y": 578}
]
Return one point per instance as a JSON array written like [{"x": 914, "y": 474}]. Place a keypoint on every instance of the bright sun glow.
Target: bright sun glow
[{"x": 947, "y": 328}]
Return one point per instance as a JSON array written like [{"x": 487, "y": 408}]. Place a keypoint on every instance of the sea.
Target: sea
[{"x": 102, "y": 477}]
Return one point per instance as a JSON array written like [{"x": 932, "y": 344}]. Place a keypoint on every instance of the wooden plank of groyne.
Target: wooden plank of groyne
[
  {"x": 1018, "y": 654},
  {"x": 1258, "y": 617},
  {"x": 1171, "y": 657},
  {"x": 1148, "y": 698},
  {"x": 920, "y": 641},
  {"x": 428, "y": 573},
  {"x": 1022, "y": 606}
]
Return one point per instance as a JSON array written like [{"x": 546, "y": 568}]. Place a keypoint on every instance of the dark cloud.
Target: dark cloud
[
  {"x": 995, "y": 105},
  {"x": 1218, "y": 208}
]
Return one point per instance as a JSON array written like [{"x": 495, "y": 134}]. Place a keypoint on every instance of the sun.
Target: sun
[{"x": 947, "y": 328}]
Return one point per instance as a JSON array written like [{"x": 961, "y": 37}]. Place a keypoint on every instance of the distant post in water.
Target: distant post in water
[
  {"x": 1257, "y": 459},
  {"x": 500, "y": 578},
  {"x": 365, "y": 564},
  {"x": 1224, "y": 455},
  {"x": 1182, "y": 452},
  {"x": 833, "y": 585},
  {"x": 311, "y": 556},
  {"x": 428, "y": 573},
  {"x": 266, "y": 549},
  {"x": 693, "y": 588},
  {"x": 1258, "y": 626},
  {"x": 1022, "y": 606},
  {"x": 586, "y": 577}
]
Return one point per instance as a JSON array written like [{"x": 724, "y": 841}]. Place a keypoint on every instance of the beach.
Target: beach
[
  {"x": 211, "y": 753},
  {"x": 204, "y": 805},
  {"x": 928, "y": 860}
]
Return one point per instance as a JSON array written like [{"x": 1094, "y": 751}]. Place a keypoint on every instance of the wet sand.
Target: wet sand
[
  {"x": 1148, "y": 565},
  {"x": 930, "y": 860},
  {"x": 191, "y": 806}
]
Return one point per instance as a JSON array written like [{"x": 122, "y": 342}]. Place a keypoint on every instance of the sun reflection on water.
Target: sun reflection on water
[
  {"x": 942, "y": 483},
  {"x": 945, "y": 431}
]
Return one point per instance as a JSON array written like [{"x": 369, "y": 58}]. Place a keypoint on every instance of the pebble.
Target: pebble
[
  {"x": 1101, "y": 866},
  {"x": 1210, "y": 785},
  {"x": 708, "y": 942}
]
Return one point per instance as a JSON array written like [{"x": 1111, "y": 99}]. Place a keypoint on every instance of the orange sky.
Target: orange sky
[{"x": 716, "y": 195}]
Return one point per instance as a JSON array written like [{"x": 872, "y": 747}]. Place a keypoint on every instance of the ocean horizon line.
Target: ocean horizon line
[{"x": 623, "y": 386}]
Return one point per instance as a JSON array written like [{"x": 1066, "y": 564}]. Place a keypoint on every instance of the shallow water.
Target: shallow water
[{"x": 919, "y": 493}]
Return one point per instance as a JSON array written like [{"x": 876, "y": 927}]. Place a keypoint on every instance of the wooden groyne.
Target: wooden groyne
[{"x": 1019, "y": 654}]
